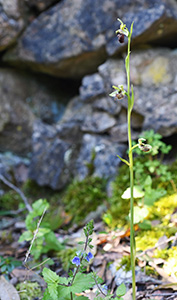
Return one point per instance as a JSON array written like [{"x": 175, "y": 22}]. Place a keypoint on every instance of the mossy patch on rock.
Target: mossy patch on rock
[
  {"x": 82, "y": 197},
  {"x": 10, "y": 200}
]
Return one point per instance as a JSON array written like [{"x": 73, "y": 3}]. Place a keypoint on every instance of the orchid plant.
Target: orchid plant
[{"x": 119, "y": 93}]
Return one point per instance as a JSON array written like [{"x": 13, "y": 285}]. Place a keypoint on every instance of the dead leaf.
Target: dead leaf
[
  {"x": 163, "y": 273},
  {"x": 101, "y": 271},
  {"x": 7, "y": 290}
]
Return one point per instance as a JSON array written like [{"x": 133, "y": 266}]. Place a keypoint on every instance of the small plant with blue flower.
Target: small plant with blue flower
[{"x": 78, "y": 280}]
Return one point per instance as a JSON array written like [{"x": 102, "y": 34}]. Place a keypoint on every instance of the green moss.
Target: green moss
[
  {"x": 66, "y": 257},
  {"x": 33, "y": 191},
  {"x": 125, "y": 262},
  {"x": 10, "y": 200},
  {"x": 150, "y": 271},
  {"x": 82, "y": 197},
  {"x": 29, "y": 290}
]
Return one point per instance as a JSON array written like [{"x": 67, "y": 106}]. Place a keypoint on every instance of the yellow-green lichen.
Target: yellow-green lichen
[
  {"x": 163, "y": 208},
  {"x": 148, "y": 239},
  {"x": 170, "y": 257},
  {"x": 157, "y": 71}
]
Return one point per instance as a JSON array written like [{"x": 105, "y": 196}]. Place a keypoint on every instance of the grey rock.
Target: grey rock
[
  {"x": 15, "y": 126},
  {"x": 73, "y": 38},
  {"x": 113, "y": 73},
  {"x": 13, "y": 166},
  {"x": 107, "y": 104},
  {"x": 92, "y": 86},
  {"x": 51, "y": 163},
  {"x": 105, "y": 163},
  {"x": 119, "y": 133},
  {"x": 77, "y": 110},
  {"x": 25, "y": 97},
  {"x": 11, "y": 22},
  {"x": 98, "y": 122},
  {"x": 156, "y": 97},
  {"x": 69, "y": 131},
  {"x": 153, "y": 74}
]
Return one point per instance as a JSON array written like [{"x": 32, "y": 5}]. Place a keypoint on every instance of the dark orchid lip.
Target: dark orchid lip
[{"x": 121, "y": 38}]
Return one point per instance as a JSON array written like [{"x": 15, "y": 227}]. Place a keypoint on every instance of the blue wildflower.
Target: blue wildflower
[
  {"x": 89, "y": 256},
  {"x": 104, "y": 289},
  {"x": 76, "y": 261}
]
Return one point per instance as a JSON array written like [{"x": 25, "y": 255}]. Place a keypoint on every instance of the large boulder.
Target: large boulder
[
  {"x": 25, "y": 97},
  {"x": 102, "y": 153},
  {"x": 153, "y": 74},
  {"x": 53, "y": 157},
  {"x": 73, "y": 37},
  {"x": 11, "y": 22}
]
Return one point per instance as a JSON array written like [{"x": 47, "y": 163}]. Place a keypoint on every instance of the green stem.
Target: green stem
[{"x": 132, "y": 234}]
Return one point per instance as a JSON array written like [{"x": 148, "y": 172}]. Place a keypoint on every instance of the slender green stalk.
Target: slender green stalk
[
  {"x": 119, "y": 94},
  {"x": 130, "y": 106}
]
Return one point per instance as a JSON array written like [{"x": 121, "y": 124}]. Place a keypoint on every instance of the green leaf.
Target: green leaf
[
  {"x": 137, "y": 193},
  {"x": 140, "y": 214},
  {"x": 43, "y": 231},
  {"x": 3, "y": 268},
  {"x": 152, "y": 195},
  {"x": 52, "y": 287},
  {"x": 81, "y": 243},
  {"x": 132, "y": 97},
  {"x": 121, "y": 290},
  {"x": 80, "y": 298},
  {"x": 50, "y": 276},
  {"x": 46, "y": 295},
  {"x": 26, "y": 236},
  {"x": 145, "y": 225},
  {"x": 127, "y": 62},
  {"x": 40, "y": 205},
  {"x": 52, "y": 242},
  {"x": 82, "y": 282},
  {"x": 38, "y": 209},
  {"x": 131, "y": 29},
  {"x": 123, "y": 160},
  {"x": 63, "y": 291}
]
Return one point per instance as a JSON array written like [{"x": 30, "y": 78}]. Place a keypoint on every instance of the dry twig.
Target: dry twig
[{"x": 13, "y": 187}]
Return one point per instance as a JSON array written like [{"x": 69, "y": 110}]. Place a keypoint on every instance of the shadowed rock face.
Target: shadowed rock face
[
  {"x": 40, "y": 5},
  {"x": 24, "y": 98},
  {"x": 73, "y": 37},
  {"x": 11, "y": 22}
]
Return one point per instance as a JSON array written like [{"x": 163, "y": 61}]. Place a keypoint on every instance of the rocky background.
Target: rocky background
[{"x": 58, "y": 61}]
